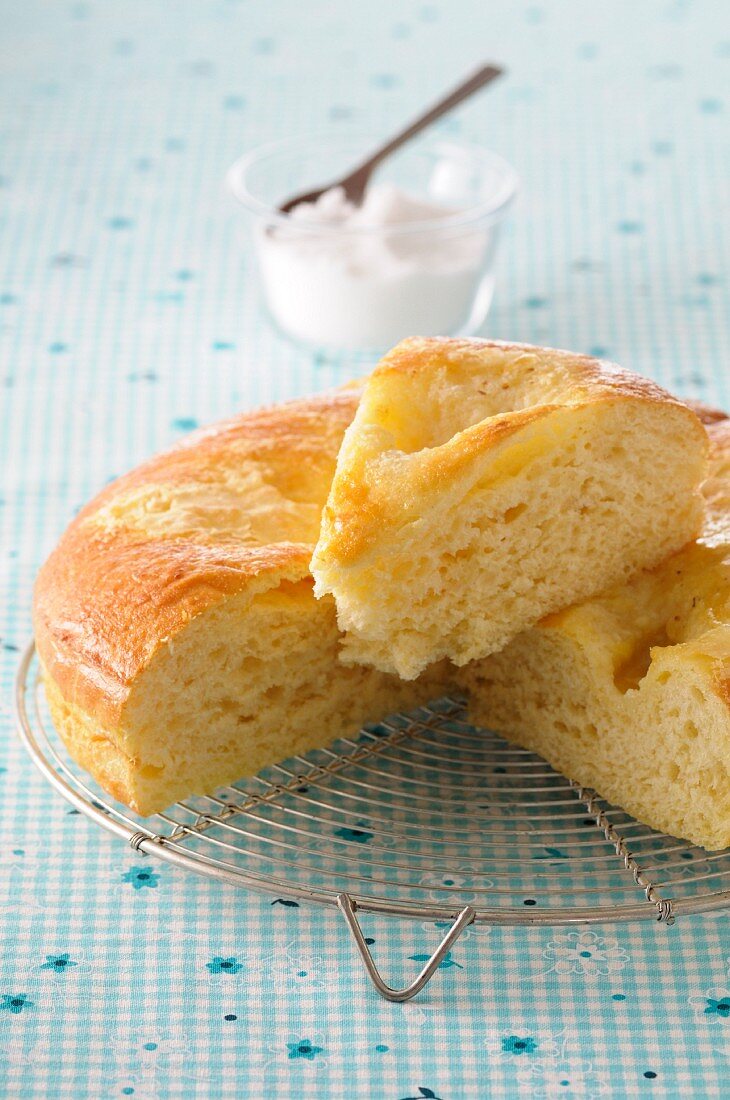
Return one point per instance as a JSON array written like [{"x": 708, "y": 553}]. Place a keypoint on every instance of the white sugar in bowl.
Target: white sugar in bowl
[{"x": 416, "y": 258}]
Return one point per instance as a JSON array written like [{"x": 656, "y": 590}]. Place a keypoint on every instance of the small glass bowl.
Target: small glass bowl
[{"x": 364, "y": 287}]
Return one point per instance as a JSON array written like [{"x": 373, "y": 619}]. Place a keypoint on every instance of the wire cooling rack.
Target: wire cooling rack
[{"x": 421, "y": 815}]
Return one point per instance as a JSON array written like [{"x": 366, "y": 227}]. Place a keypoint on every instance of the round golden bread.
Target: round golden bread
[{"x": 183, "y": 648}]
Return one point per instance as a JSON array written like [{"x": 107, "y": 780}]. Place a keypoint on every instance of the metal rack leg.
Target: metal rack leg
[{"x": 347, "y": 907}]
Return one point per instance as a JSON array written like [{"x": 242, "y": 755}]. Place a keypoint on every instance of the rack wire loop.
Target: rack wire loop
[{"x": 348, "y": 908}]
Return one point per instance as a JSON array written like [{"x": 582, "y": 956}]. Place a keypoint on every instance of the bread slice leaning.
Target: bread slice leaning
[
  {"x": 181, "y": 644},
  {"x": 483, "y": 485},
  {"x": 629, "y": 692}
]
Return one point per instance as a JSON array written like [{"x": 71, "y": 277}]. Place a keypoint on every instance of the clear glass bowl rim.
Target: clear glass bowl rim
[{"x": 490, "y": 211}]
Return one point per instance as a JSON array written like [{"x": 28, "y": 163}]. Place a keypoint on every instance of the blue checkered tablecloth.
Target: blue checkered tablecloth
[{"x": 128, "y": 315}]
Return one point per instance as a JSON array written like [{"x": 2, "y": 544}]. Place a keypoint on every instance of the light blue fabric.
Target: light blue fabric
[{"x": 128, "y": 315}]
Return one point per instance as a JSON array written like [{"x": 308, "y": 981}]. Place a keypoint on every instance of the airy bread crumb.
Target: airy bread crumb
[
  {"x": 629, "y": 693},
  {"x": 482, "y": 486}
]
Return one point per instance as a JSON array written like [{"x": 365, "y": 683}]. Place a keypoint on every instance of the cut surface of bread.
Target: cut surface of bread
[
  {"x": 181, "y": 644},
  {"x": 483, "y": 485},
  {"x": 629, "y": 693}
]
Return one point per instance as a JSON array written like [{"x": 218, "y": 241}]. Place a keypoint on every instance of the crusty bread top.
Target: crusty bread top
[
  {"x": 448, "y": 400},
  {"x": 231, "y": 508},
  {"x": 708, "y": 414}
]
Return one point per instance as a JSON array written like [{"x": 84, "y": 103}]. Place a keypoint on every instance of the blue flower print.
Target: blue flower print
[
  {"x": 718, "y": 1008},
  {"x": 513, "y": 1044},
  {"x": 219, "y": 965},
  {"x": 141, "y": 878},
  {"x": 358, "y": 835},
  {"x": 445, "y": 963},
  {"x": 58, "y": 963},
  {"x": 15, "y": 1002},
  {"x": 304, "y": 1048}
]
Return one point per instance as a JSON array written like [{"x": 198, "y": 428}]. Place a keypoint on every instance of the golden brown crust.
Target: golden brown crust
[
  {"x": 415, "y": 354},
  {"x": 125, "y": 578},
  {"x": 361, "y": 502},
  {"x": 708, "y": 414}
]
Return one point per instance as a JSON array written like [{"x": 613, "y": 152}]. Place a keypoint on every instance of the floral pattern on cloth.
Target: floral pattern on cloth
[
  {"x": 15, "y": 1003},
  {"x": 586, "y": 953}
]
